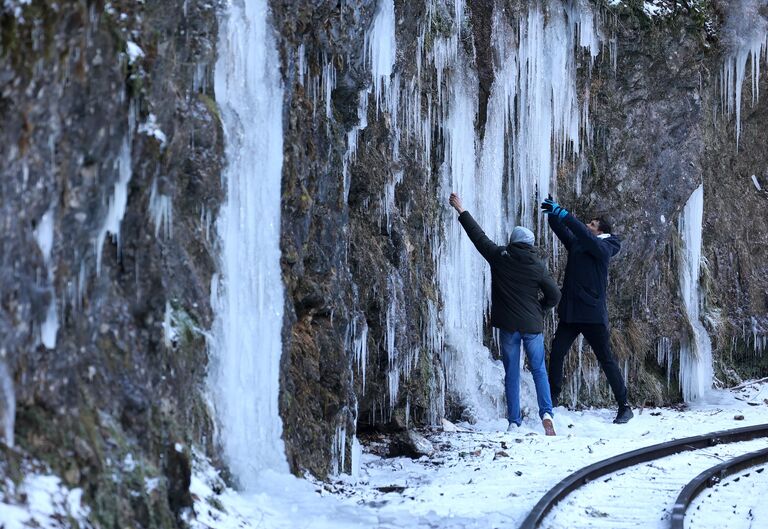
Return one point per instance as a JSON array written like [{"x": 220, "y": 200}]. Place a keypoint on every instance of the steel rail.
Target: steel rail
[
  {"x": 635, "y": 457},
  {"x": 711, "y": 477}
]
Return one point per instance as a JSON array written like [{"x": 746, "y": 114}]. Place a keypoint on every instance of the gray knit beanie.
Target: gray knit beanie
[{"x": 522, "y": 234}]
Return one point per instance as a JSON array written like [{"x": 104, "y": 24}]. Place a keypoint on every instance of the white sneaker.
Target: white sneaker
[
  {"x": 512, "y": 427},
  {"x": 549, "y": 424}
]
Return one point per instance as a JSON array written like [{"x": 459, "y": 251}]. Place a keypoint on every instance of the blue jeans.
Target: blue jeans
[{"x": 510, "y": 355}]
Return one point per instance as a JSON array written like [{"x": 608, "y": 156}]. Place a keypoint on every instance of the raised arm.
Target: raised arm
[
  {"x": 562, "y": 232},
  {"x": 484, "y": 245},
  {"x": 590, "y": 242}
]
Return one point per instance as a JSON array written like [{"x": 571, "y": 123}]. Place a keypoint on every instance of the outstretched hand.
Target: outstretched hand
[
  {"x": 455, "y": 202},
  {"x": 550, "y": 207}
]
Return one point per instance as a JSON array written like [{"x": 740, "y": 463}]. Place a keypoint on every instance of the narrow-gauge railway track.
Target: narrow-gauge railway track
[
  {"x": 712, "y": 476},
  {"x": 636, "y": 457}
]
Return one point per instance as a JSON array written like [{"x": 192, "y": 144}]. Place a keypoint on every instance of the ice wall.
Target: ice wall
[
  {"x": 248, "y": 295},
  {"x": 696, "y": 347},
  {"x": 535, "y": 122}
]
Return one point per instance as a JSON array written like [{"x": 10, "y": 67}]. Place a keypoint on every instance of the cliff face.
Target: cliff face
[
  {"x": 112, "y": 157},
  {"x": 657, "y": 130},
  {"x": 661, "y": 129}
]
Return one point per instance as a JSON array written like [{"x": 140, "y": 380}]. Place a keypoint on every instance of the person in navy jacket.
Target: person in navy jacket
[{"x": 582, "y": 308}]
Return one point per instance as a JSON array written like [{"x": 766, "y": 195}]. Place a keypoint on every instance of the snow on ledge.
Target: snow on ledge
[
  {"x": 134, "y": 51},
  {"x": 42, "y": 501},
  {"x": 657, "y": 8},
  {"x": 152, "y": 129}
]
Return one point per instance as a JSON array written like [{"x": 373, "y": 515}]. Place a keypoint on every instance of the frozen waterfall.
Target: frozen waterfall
[
  {"x": 248, "y": 296},
  {"x": 535, "y": 122},
  {"x": 696, "y": 349}
]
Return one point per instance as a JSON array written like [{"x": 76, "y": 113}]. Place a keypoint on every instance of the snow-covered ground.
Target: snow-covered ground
[{"x": 480, "y": 476}]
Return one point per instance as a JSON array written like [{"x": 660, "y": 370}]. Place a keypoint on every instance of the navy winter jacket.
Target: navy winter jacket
[
  {"x": 586, "y": 273},
  {"x": 517, "y": 277}
]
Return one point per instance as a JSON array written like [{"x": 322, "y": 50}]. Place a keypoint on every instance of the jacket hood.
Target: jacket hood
[
  {"x": 521, "y": 252},
  {"x": 614, "y": 244}
]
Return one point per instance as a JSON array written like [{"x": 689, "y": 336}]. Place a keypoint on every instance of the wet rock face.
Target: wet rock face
[
  {"x": 94, "y": 130},
  {"x": 649, "y": 118},
  {"x": 660, "y": 131},
  {"x": 345, "y": 263}
]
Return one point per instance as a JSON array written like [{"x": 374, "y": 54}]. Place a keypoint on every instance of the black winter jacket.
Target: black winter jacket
[
  {"x": 586, "y": 273},
  {"x": 517, "y": 276}
]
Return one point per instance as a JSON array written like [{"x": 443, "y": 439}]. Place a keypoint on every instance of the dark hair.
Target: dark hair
[{"x": 603, "y": 224}]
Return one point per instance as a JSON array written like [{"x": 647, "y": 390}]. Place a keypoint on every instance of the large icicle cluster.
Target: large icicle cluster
[
  {"x": 535, "y": 122},
  {"x": 248, "y": 297},
  {"x": 746, "y": 34}
]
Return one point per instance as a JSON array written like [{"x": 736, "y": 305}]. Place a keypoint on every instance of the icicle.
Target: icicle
[
  {"x": 161, "y": 211},
  {"x": 329, "y": 84},
  {"x": 463, "y": 275},
  {"x": 7, "y": 402},
  {"x": 301, "y": 63},
  {"x": 746, "y": 31},
  {"x": 248, "y": 298},
  {"x": 169, "y": 331},
  {"x": 664, "y": 356},
  {"x": 696, "y": 350},
  {"x": 361, "y": 349},
  {"x": 394, "y": 287},
  {"x": 44, "y": 234},
  {"x": 50, "y": 326},
  {"x": 382, "y": 49},
  {"x": 339, "y": 447},
  {"x": 44, "y": 237},
  {"x": 119, "y": 198},
  {"x": 357, "y": 457}
]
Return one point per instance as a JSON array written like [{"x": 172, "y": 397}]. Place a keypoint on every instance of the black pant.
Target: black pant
[{"x": 598, "y": 338}]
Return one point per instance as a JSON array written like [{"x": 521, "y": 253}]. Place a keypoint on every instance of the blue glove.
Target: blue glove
[{"x": 550, "y": 207}]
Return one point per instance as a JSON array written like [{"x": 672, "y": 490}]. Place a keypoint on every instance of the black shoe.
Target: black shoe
[{"x": 624, "y": 415}]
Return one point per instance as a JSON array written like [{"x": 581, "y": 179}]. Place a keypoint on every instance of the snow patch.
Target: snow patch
[
  {"x": 657, "y": 8},
  {"x": 17, "y": 7},
  {"x": 134, "y": 51},
  {"x": 152, "y": 129},
  {"x": 41, "y": 501},
  {"x": 151, "y": 485}
]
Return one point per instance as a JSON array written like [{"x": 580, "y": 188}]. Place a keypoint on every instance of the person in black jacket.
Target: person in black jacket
[
  {"x": 517, "y": 277},
  {"x": 582, "y": 308}
]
